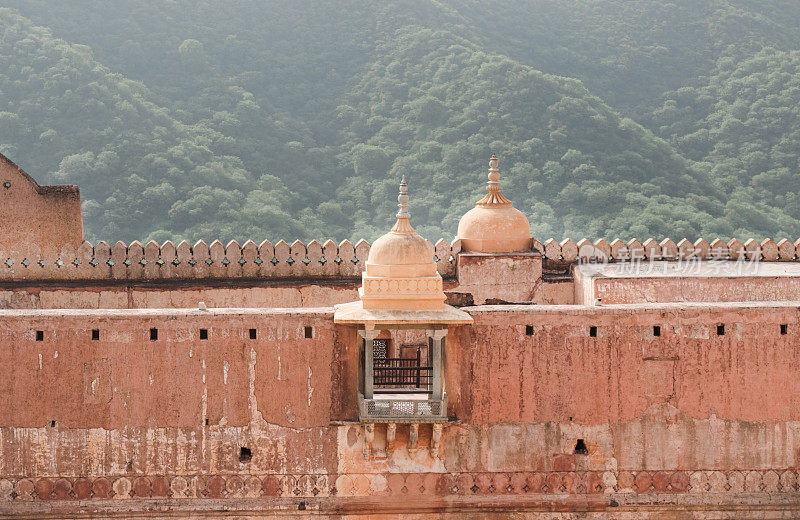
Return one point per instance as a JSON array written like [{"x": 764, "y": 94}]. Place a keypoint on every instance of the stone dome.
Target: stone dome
[
  {"x": 494, "y": 225},
  {"x": 400, "y": 272},
  {"x": 402, "y": 249}
]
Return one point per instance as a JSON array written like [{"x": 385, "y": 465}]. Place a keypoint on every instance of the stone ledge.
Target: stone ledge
[
  {"x": 629, "y": 308},
  {"x": 171, "y": 312},
  {"x": 537, "y": 506}
]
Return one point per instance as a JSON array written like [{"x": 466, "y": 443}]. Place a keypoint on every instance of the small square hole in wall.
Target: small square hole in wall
[
  {"x": 784, "y": 329},
  {"x": 580, "y": 448},
  {"x": 253, "y": 334},
  {"x": 720, "y": 330},
  {"x": 39, "y": 335},
  {"x": 245, "y": 455},
  {"x": 203, "y": 333},
  {"x": 592, "y": 331},
  {"x": 309, "y": 332},
  {"x": 657, "y": 331},
  {"x": 95, "y": 334},
  {"x": 153, "y": 334},
  {"x": 529, "y": 330}
]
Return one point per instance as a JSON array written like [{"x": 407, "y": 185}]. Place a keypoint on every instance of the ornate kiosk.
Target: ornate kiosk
[{"x": 402, "y": 291}]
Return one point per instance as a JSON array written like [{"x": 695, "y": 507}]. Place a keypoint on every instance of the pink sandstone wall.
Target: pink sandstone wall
[
  {"x": 671, "y": 419},
  {"x": 230, "y": 293},
  {"x": 664, "y": 282},
  {"x": 687, "y": 399},
  {"x": 140, "y": 296},
  {"x": 692, "y": 289},
  {"x": 36, "y": 217}
]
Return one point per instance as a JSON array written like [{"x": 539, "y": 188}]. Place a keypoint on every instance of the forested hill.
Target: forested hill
[{"x": 295, "y": 119}]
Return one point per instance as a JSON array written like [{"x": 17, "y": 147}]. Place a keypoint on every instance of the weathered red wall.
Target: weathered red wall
[
  {"x": 298, "y": 293},
  {"x": 749, "y": 373},
  {"x": 36, "y": 216},
  {"x": 686, "y": 399},
  {"x": 232, "y": 294},
  {"x": 151, "y": 398},
  {"x": 692, "y": 289},
  {"x": 688, "y": 412}
]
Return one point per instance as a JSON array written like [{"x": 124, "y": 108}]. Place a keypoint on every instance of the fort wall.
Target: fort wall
[
  {"x": 314, "y": 274},
  {"x": 674, "y": 415},
  {"x": 594, "y": 379},
  {"x": 22, "y": 260},
  {"x": 215, "y": 294},
  {"x": 709, "y": 281}
]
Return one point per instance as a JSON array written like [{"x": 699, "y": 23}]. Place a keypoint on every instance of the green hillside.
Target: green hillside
[
  {"x": 142, "y": 172},
  {"x": 295, "y": 119},
  {"x": 742, "y": 123},
  {"x": 432, "y": 106}
]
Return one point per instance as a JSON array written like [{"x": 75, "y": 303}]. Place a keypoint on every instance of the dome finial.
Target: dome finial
[
  {"x": 494, "y": 197},
  {"x": 402, "y": 199},
  {"x": 403, "y": 226}
]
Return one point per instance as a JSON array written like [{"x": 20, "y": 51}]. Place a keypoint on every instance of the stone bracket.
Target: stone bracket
[{"x": 392, "y": 441}]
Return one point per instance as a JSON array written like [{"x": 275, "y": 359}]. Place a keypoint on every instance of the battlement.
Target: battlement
[
  {"x": 331, "y": 260},
  {"x": 327, "y": 273},
  {"x": 634, "y": 250},
  {"x": 152, "y": 261}
]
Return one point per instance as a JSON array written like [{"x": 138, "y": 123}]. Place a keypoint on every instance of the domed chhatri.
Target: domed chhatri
[
  {"x": 494, "y": 225},
  {"x": 400, "y": 273}
]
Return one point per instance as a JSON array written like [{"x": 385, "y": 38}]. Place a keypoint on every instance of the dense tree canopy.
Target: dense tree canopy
[{"x": 295, "y": 119}]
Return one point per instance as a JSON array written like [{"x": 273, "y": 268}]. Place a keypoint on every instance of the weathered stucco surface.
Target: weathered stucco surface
[
  {"x": 507, "y": 277},
  {"x": 143, "y": 296},
  {"x": 36, "y": 217},
  {"x": 663, "y": 282},
  {"x": 672, "y": 419}
]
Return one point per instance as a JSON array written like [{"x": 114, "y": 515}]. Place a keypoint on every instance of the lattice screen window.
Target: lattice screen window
[{"x": 380, "y": 348}]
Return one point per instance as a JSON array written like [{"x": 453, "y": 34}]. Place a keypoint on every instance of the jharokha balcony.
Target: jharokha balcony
[
  {"x": 402, "y": 321},
  {"x": 405, "y": 389},
  {"x": 402, "y": 382}
]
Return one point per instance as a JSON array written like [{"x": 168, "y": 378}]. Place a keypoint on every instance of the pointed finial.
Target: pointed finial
[
  {"x": 494, "y": 171},
  {"x": 494, "y": 197},
  {"x": 402, "y": 199},
  {"x": 403, "y": 225}
]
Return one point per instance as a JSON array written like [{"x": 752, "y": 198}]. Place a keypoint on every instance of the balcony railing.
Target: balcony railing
[
  {"x": 406, "y": 375},
  {"x": 402, "y": 408}
]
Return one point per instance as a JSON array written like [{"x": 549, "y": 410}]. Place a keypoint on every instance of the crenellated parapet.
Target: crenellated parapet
[
  {"x": 345, "y": 260},
  {"x": 153, "y": 261},
  {"x": 568, "y": 251}
]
